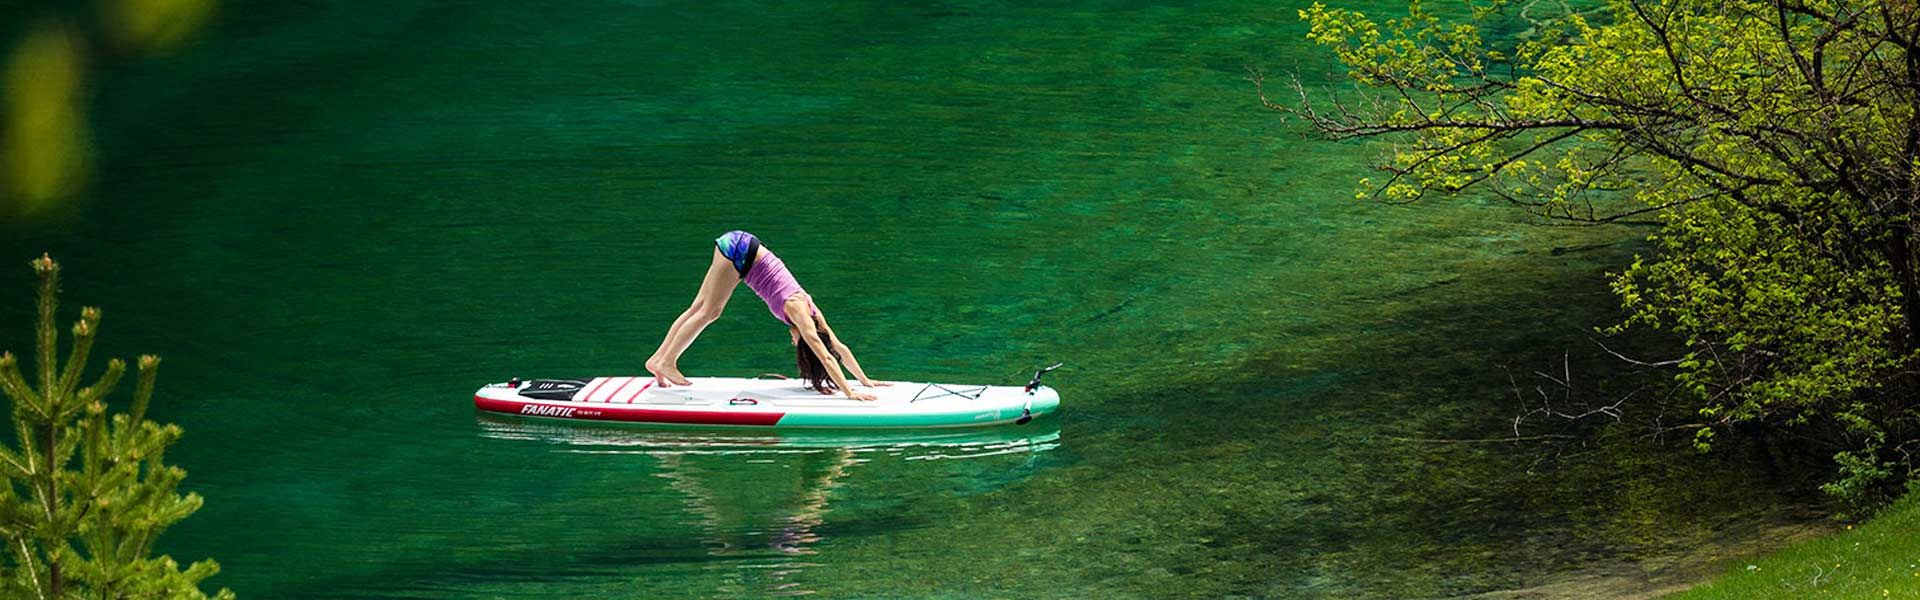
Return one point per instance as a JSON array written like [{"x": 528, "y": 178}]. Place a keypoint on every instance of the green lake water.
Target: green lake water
[{"x": 335, "y": 220}]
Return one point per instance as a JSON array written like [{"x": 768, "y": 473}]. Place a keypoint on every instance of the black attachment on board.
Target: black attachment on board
[
  {"x": 513, "y": 383},
  {"x": 1026, "y": 413},
  {"x": 552, "y": 389},
  {"x": 1038, "y": 374}
]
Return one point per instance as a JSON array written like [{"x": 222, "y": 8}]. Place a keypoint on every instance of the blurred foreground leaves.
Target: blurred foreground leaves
[
  {"x": 45, "y": 153},
  {"x": 44, "y": 156}
]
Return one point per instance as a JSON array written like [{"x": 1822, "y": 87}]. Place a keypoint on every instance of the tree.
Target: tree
[
  {"x": 1774, "y": 142},
  {"x": 86, "y": 490}
]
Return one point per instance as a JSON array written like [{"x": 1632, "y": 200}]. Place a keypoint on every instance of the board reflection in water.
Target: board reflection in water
[{"x": 757, "y": 500}]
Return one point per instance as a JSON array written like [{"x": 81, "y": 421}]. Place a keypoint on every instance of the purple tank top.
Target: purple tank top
[{"x": 770, "y": 279}]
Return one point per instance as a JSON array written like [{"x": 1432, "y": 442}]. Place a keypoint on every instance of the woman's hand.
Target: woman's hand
[
  {"x": 863, "y": 396},
  {"x": 870, "y": 383}
]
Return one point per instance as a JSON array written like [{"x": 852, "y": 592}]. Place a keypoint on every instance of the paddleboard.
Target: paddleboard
[{"x": 777, "y": 403}]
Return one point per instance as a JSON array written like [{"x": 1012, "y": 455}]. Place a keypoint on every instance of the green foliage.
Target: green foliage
[
  {"x": 86, "y": 490},
  {"x": 1774, "y": 142},
  {"x": 1859, "y": 471}
]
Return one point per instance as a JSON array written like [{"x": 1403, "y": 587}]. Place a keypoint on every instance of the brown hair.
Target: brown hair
[{"x": 811, "y": 370}]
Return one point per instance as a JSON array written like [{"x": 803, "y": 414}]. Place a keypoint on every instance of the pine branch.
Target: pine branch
[
  {"x": 83, "y": 333},
  {"x": 86, "y": 492},
  {"x": 13, "y": 384},
  {"x": 96, "y": 392},
  {"x": 47, "y": 342},
  {"x": 143, "y": 392}
]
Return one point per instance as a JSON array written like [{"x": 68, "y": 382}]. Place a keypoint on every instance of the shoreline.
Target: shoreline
[{"x": 1669, "y": 575}]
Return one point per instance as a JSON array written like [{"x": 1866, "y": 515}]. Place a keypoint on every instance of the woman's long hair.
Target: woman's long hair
[{"x": 811, "y": 370}]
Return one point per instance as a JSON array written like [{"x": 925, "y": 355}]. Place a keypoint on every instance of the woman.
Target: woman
[{"x": 738, "y": 256}]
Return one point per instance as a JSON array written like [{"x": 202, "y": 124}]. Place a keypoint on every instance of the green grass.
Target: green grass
[{"x": 1876, "y": 559}]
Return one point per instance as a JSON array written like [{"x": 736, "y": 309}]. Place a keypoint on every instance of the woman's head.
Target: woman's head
[{"x": 812, "y": 371}]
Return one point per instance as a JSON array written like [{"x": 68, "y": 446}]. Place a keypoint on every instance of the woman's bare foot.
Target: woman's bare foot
[
  {"x": 673, "y": 374},
  {"x": 666, "y": 374}
]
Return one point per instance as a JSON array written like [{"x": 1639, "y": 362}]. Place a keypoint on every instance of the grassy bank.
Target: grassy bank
[{"x": 1876, "y": 559}]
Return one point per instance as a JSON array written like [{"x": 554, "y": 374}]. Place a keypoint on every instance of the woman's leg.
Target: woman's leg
[{"x": 714, "y": 291}]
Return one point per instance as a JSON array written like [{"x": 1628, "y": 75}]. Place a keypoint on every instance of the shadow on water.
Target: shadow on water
[{"x": 1351, "y": 463}]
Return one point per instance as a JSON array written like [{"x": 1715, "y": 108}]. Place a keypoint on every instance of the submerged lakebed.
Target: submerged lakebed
[{"x": 335, "y": 221}]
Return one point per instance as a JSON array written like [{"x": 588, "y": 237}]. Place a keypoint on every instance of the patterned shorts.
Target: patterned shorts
[{"x": 740, "y": 247}]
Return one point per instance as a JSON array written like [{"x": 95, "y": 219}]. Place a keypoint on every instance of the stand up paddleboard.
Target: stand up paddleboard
[{"x": 768, "y": 403}]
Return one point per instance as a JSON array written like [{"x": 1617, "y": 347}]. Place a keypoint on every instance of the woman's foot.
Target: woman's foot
[
  {"x": 659, "y": 372},
  {"x": 673, "y": 373},
  {"x": 667, "y": 374}
]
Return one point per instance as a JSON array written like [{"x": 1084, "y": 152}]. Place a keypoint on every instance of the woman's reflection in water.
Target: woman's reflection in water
[{"x": 729, "y": 530}]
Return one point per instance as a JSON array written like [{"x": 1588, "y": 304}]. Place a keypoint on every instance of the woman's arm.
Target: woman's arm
[
  {"x": 846, "y": 355},
  {"x": 804, "y": 323}
]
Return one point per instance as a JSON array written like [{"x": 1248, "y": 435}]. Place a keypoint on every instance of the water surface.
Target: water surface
[{"x": 335, "y": 220}]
